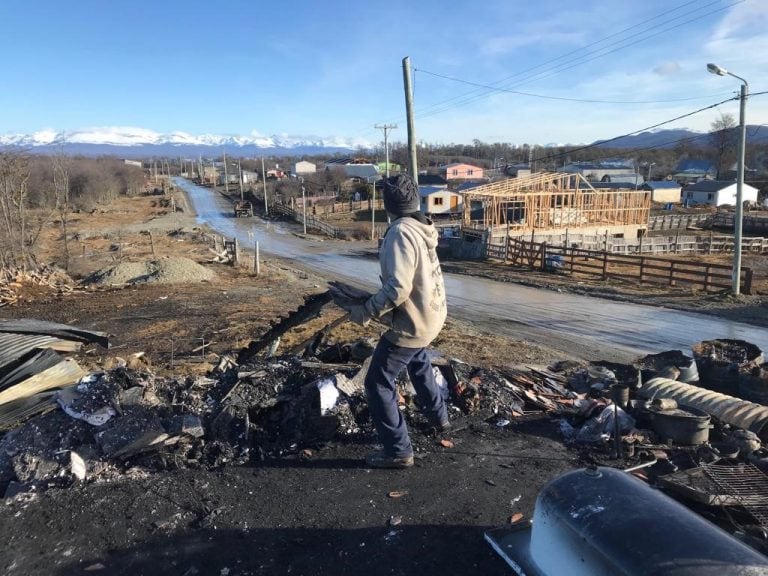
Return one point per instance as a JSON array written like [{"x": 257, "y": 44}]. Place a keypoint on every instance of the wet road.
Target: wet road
[{"x": 589, "y": 327}]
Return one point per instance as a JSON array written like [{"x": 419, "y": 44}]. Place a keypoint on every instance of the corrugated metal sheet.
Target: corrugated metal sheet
[
  {"x": 14, "y": 412},
  {"x": 62, "y": 331},
  {"x": 64, "y": 373},
  {"x": 15, "y": 346},
  {"x": 728, "y": 409},
  {"x": 33, "y": 362}
]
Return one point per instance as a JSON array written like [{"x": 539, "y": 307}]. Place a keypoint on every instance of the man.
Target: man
[{"x": 413, "y": 296}]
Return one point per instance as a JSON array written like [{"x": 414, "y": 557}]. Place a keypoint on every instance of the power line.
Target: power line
[
  {"x": 579, "y": 60},
  {"x": 603, "y": 142},
  {"x": 509, "y": 91}
]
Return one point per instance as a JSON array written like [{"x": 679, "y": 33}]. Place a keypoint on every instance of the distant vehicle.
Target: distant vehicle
[{"x": 243, "y": 209}]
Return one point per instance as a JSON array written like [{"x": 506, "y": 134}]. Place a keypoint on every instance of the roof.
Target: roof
[
  {"x": 429, "y": 190},
  {"x": 617, "y": 164},
  {"x": 690, "y": 165},
  {"x": 661, "y": 184},
  {"x": 452, "y": 164},
  {"x": 432, "y": 180},
  {"x": 470, "y": 184},
  {"x": 709, "y": 185}
]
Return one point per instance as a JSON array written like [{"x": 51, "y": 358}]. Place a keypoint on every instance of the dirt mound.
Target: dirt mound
[{"x": 172, "y": 270}]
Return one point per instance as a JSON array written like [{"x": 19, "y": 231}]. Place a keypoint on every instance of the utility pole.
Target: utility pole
[
  {"x": 386, "y": 128},
  {"x": 240, "y": 178},
  {"x": 226, "y": 178},
  {"x": 264, "y": 183},
  {"x": 412, "y": 159}
]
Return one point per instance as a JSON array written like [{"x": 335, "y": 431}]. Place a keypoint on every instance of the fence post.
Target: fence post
[
  {"x": 605, "y": 263},
  {"x": 709, "y": 248},
  {"x": 605, "y": 242},
  {"x": 672, "y": 273},
  {"x": 640, "y": 251},
  {"x": 642, "y": 268},
  {"x": 707, "y": 277},
  {"x": 677, "y": 242},
  {"x": 747, "y": 285},
  {"x": 543, "y": 256}
]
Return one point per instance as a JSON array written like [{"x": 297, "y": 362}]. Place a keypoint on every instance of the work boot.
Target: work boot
[{"x": 382, "y": 460}]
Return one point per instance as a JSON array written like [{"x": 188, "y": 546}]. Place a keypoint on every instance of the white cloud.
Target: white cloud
[{"x": 667, "y": 69}]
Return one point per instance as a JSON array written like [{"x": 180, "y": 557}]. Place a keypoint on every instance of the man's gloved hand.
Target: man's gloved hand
[{"x": 359, "y": 314}]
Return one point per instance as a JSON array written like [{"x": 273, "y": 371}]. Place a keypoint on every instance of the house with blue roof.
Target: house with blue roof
[{"x": 691, "y": 170}]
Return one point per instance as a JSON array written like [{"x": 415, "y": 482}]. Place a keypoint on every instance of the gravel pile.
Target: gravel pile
[{"x": 174, "y": 270}]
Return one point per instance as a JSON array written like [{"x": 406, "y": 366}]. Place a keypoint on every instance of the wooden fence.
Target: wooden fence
[
  {"x": 708, "y": 243},
  {"x": 642, "y": 269},
  {"x": 325, "y": 207},
  {"x": 672, "y": 221},
  {"x": 312, "y": 222}
]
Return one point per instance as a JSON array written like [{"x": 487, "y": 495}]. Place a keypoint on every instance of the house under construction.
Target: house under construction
[{"x": 550, "y": 203}]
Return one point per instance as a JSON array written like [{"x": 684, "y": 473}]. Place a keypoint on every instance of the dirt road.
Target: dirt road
[{"x": 588, "y": 327}]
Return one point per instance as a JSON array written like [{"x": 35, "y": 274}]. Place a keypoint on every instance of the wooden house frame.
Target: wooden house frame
[{"x": 548, "y": 201}]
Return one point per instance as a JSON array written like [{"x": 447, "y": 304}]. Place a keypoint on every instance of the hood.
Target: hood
[{"x": 425, "y": 230}]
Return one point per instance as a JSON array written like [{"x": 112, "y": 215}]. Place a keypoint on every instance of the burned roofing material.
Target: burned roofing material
[{"x": 30, "y": 364}]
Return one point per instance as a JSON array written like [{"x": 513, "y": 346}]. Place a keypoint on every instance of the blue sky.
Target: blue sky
[{"x": 333, "y": 68}]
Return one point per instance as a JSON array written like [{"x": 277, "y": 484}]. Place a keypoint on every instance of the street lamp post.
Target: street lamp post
[
  {"x": 650, "y": 166},
  {"x": 738, "y": 224}
]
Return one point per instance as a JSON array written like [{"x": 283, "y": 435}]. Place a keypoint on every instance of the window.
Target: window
[
  {"x": 710, "y": 196},
  {"x": 438, "y": 201},
  {"x": 424, "y": 200},
  {"x": 470, "y": 172},
  {"x": 455, "y": 172}
]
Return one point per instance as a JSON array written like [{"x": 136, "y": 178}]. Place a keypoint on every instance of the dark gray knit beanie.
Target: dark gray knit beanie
[{"x": 401, "y": 195}]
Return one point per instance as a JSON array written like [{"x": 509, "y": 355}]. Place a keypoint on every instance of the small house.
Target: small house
[
  {"x": 460, "y": 171},
  {"x": 303, "y": 167},
  {"x": 438, "y": 200},
  {"x": 717, "y": 193},
  {"x": 663, "y": 191},
  {"x": 690, "y": 170}
]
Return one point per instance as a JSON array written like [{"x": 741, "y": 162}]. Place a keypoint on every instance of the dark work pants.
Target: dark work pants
[{"x": 381, "y": 391}]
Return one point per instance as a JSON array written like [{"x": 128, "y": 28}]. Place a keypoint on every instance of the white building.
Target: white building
[
  {"x": 250, "y": 177},
  {"x": 717, "y": 193},
  {"x": 440, "y": 200},
  {"x": 664, "y": 191},
  {"x": 304, "y": 167}
]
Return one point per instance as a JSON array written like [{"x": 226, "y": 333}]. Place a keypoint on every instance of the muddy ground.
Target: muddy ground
[{"x": 325, "y": 515}]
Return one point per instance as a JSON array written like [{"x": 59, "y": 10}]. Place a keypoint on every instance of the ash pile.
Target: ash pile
[{"x": 129, "y": 422}]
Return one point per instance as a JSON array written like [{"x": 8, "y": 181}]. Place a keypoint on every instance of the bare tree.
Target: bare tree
[
  {"x": 14, "y": 177},
  {"x": 62, "y": 166},
  {"x": 723, "y": 141}
]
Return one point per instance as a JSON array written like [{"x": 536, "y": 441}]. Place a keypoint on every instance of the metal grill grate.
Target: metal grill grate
[{"x": 746, "y": 484}]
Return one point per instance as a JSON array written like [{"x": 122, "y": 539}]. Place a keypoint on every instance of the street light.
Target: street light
[{"x": 737, "y": 228}]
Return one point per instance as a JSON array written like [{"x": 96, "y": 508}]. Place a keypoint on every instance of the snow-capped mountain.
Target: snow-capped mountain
[{"x": 132, "y": 141}]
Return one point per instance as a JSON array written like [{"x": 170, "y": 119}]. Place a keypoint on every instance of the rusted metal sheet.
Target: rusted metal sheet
[
  {"x": 728, "y": 409},
  {"x": 64, "y": 373}
]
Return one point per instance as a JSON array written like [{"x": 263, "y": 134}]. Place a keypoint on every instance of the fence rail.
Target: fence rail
[
  {"x": 312, "y": 222},
  {"x": 642, "y": 269}
]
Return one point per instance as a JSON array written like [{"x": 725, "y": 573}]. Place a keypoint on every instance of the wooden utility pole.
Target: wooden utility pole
[
  {"x": 412, "y": 159},
  {"x": 226, "y": 179},
  {"x": 386, "y": 128},
  {"x": 240, "y": 178},
  {"x": 264, "y": 182}
]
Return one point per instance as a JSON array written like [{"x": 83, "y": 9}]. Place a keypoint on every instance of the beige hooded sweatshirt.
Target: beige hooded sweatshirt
[{"x": 412, "y": 284}]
